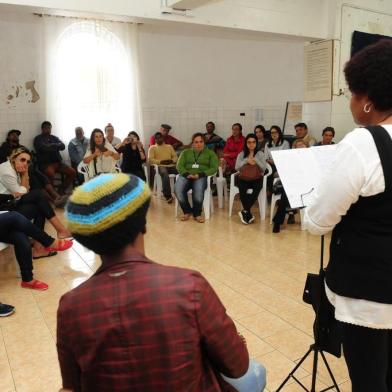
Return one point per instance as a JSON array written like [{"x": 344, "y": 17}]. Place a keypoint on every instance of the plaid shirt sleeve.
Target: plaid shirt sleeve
[
  {"x": 221, "y": 342},
  {"x": 69, "y": 367}
]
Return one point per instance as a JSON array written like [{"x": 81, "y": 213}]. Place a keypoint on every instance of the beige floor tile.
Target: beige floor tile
[
  {"x": 293, "y": 343},
  {"x": 259, "y": 277},
  {"x": 278, "y": 367}
]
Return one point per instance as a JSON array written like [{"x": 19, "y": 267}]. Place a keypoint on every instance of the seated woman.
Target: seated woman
[
  {"x": 194, "y": 165},
  {"x": 101, "y": 156},
  {"x": 259, "y": 131},
  {"x": 251, "y": 165},
  {"x": 15, "y": 229},
  {"x": 276, "y": 143},
  {"x": 15, "y": 182},
  {"x": 133, "y": 155},
  {"x": 284, "y": 201}
]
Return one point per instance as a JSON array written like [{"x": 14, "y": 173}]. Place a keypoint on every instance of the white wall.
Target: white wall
[
  {"x": 305, "y": 18},
  {"x": 189, "y": 76}
]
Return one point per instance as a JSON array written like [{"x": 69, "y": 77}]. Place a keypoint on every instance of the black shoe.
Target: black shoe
[
  {"x": 291, "y": 219},
  {"x": 243, "y": 216},
  {"x": 6, "y": 310},
  {"x": 276, "y": 228}
]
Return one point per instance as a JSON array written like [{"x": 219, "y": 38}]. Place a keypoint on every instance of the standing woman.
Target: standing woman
[
  {"x": 357, "y": 206},
  {"x": 101, "y": 156},
  {"x": 133, "y": 155},
  {"x": 251, "y": 165},
  {"x": 194, "y": 165}
]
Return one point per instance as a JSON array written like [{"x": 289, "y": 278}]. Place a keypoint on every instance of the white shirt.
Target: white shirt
[
  {"x": 267, "y": 150},
  {"x": 10, "y": 180},
  {"x": 103, "y": 164},
  {"x": 355, "y": 172}
]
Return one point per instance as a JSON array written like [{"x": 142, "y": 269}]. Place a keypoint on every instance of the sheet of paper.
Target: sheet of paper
[{"x": 301, "y": 170}]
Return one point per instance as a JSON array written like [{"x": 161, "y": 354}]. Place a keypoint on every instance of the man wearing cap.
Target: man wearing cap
[
  {"x": 10, "y": 144},
  {"x": 168, "y": 139},
  {"x": 137, "y": 325}
]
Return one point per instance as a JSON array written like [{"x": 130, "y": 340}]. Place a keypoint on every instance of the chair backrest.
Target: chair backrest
[{"x": 84, "y": 168}]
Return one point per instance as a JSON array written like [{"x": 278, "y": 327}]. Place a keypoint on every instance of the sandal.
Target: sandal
[
  {"x": 34, "y": 285},
  {"x": 50, "y": 254},
  {"x": 61, "y": 245},
  {"x": 185, "y": 217},
  {"x": 199, "y": 219}
]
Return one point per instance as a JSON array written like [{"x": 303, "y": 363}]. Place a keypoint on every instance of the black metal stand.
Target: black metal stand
[{"x": 315, "y": 348}]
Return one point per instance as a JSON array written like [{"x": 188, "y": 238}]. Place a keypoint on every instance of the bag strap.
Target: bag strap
[{"x": 383, "y": 142}]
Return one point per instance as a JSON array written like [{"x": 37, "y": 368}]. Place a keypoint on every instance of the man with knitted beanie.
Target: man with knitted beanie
[{"x": 137, "y": 325}]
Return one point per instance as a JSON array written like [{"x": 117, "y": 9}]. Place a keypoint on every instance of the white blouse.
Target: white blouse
[
  {"x": 267, "y": 151},
  {"x": 10, "y": 180},
  {"x": 356, "y": 171},
  {"x": 102, "y": 164}
]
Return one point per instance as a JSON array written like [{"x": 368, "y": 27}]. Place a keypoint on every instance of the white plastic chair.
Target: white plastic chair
[
  {"x": 3, "y": 246},
  {"x": 262, "y": 199},
  {"x": 157, "y": 186},
  {"x": 275, "y": 198},
  {"x": 221, "y": 187},
  {"x": 84, "y": 169},
  {"x": 208, "y": 205}
]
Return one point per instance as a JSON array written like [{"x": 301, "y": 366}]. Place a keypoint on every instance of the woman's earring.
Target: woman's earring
[{"x": 366, "y": 108}]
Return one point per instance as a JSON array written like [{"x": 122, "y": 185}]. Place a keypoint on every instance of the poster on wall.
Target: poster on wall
[
  {"x": 318, "y": 67},
  {"x": 292, "y": 117}
]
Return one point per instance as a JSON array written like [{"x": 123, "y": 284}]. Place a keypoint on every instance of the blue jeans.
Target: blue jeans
[
  {"x": 15, "y": 229},
  {"x": 254, "y": 380},
  {"x": 183, "y": 185}
]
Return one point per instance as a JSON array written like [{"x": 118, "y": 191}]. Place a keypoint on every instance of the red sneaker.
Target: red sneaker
[
  {"x": 61, "y": 245},
  {"x": 34, "y": 285}
]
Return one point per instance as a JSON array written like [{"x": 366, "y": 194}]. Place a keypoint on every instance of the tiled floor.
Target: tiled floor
[{"x": 258, "y": 275}]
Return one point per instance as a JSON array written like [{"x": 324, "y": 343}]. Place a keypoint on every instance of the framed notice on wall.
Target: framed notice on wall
[{"x": 318, "y": 67}]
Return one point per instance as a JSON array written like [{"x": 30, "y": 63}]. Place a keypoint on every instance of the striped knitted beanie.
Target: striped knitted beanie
[{"x": 108, "y": 211}]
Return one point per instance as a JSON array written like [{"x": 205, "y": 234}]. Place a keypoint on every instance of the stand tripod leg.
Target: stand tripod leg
[
  {"x": 295, "y": 368},
  {"x": 314, "y": 372},
  {"x": 330, "y": 372}
]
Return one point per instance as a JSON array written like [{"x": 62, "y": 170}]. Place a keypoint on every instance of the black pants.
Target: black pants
[
  {"x": 248, "y": 199},
  {"x": 368, "y": 354},
  {"x": 281, "y": 210},
  {"x": 15, "y": 229},
  {"x": 33, "y": 205}
]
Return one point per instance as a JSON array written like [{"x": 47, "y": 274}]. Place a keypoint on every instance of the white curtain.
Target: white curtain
[{"x": 92, "y": 76}]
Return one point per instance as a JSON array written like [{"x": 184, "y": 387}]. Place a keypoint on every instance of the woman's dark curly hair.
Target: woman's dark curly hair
[{"x": 369, "y": 72}]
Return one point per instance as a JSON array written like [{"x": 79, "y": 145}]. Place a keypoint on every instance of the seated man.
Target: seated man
[
  {"x": 301, "y": 132},
  {"x": 213, "y": 141},
  {"x": 137, "y": 325},
  {"x": 49, "y": 160},
  {"x": 328, "y": 135},
  {"x": 11, "y": 143},
  {"x": 168, "y": 139},
  {"x": 165, "y": 157},
  {"x": 77, "y": 148}
]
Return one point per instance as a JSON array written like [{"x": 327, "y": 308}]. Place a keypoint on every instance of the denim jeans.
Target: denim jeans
[
  {"x": 164, "y": 172},
  {"x": 183, "y": 185},
  {"x": 15, "y": 229},
  {"x": 254, "y": 380}
]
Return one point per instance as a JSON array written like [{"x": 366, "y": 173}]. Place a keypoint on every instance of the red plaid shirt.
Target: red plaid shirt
[{"x": 140, "y": 326}]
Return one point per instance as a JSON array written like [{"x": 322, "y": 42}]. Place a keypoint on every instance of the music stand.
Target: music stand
[{"x": 318, "y": 345}]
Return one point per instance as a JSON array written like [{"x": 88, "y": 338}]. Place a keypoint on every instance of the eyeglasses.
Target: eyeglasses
[
  {"x": 23, "y": 160},
  {"x": 274, "y": 132}
]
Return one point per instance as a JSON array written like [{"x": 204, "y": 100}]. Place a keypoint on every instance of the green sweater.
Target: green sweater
[{"x": 207, "y": 160}]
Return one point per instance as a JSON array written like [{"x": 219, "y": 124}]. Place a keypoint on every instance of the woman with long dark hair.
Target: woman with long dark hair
[
  {"x": 260, "y": 133},
  {"x": 133, "y": 155},
  {"x": 354, "y": 201},
  {"x": 251, "y": 165},
  {"x": 101, "y": 156}
]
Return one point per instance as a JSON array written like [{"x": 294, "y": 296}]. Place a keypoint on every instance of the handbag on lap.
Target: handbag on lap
[{"x": 250, "y": 172}]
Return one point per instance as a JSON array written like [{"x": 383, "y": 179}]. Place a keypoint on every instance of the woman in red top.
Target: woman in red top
[{"x": 234, "y": 145}]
